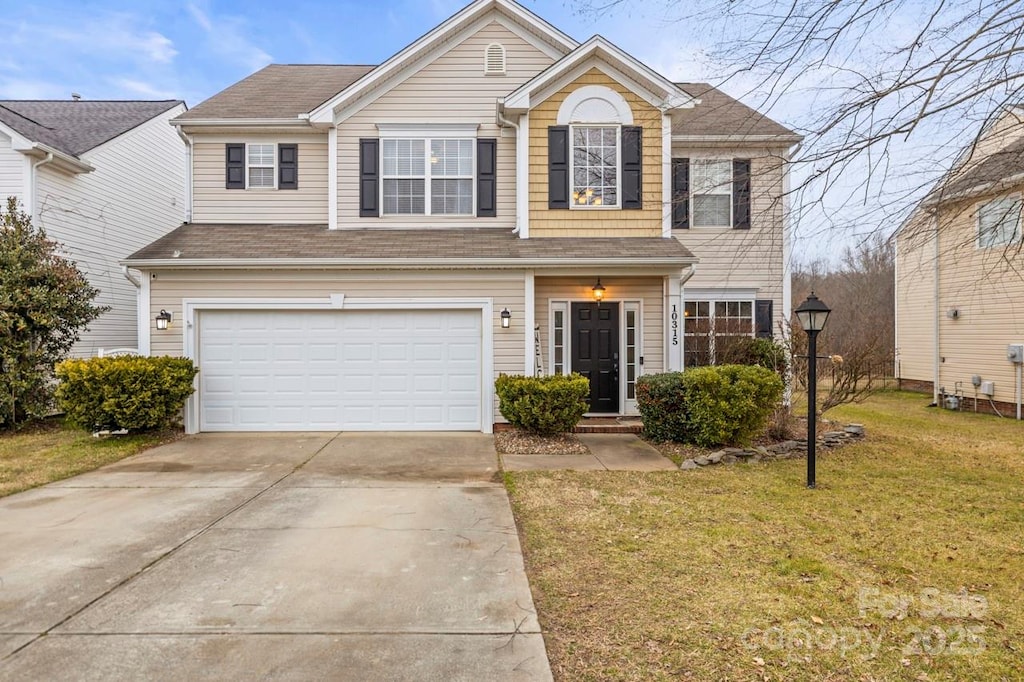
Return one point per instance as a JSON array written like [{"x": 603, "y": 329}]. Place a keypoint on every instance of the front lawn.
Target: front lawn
[
  {"x": 48, "y": 452},
  {"x": 906, "y": 563}
]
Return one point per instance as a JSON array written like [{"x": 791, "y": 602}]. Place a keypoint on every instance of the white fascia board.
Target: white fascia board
[
  {"x": 61, "y": 159},
  {"x": 767, "y": 140},
  {"x": 18, "y": 141},
  {"x": 1002, "y": 185},
  {"x": 405, "y": 263},
  {"x": 645, "y": 80},
  {"x": 442, "y": 33},
  {"x": 241, "y": 122}
]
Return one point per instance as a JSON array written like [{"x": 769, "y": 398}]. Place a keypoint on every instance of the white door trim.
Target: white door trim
[{"x": 191, "y": 306}]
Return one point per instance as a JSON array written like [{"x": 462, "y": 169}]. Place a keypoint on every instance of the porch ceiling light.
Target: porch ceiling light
[
  {"x": 598, "y": 291},
  {"x": 163, "y": 319},
  {"x": 506, "y": 318}
]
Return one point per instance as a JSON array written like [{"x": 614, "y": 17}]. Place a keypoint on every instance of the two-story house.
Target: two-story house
[
  {"x": 368, "y": 247},
  {"x": 959, "y": 287},
  {"x": 102, "y": 178}
]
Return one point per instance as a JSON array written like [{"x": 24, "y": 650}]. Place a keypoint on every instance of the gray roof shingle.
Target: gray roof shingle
[
  {"x": 720, "y": 114},
  {"x": 74, "y": 127},
  {"x": 998, "y": 166},
  {"x": 199, "y": 242},
  {"x": 279, "y": 91}
]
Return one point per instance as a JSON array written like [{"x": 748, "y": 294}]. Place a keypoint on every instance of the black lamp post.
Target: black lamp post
[{"x": 812, "y": 314}]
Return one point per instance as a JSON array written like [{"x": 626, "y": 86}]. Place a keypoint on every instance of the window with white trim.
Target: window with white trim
[
  {"x": 595, "y": 166},
  {"x": 999, "y": 222},
  {"x": 711, "y": 192},
  {"x": 260, "y": 168},
  {"x": 427, "y": 176},
  {"x": 710, "y": 327}
]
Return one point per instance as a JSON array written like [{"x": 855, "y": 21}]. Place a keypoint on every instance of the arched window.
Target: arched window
[{"x": 595, "y": 115}]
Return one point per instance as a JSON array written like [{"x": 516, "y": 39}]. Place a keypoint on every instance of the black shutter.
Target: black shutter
[
  {"x": 369, "y": 155},
  {"x": 741, "y": 194},
  {"x": 632, "y": 167},
  {"x": 234, "y": 165},
  {"x": 680, "y": 194},
  {"x": 763, "y": 319},
  {"x": 287, "y": 166},
  {"x": 486, "y": 177},
  {"x": 558, "y": 167}
]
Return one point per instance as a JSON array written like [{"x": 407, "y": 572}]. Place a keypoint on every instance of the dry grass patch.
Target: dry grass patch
[
  {"x": 49, "y": 452},
  {"x": 905, "y": 564},
  {"x": 516, "y": 442}
]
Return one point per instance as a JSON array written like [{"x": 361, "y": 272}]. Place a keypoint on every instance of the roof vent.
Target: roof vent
[
  {"x": 494, "y": 60},
  {"x": 75, "y": 96}
]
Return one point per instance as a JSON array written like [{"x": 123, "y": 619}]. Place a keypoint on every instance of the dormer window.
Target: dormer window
[{"x": 494, "y": 60}]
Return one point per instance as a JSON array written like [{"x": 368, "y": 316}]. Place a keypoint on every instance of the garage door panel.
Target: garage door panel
[{"x": 296, "y": 370}]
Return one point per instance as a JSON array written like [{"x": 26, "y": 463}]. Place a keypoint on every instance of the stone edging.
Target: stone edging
[{"x": 789, "y": 449}]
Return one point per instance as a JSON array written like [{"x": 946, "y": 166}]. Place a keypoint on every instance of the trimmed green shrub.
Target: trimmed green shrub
[
  {"x": 708, "y": 406},
  {"x": 747, "y": 350},
  {"x": 546, "y": 405},
  {"x": 126, "y": 392}
]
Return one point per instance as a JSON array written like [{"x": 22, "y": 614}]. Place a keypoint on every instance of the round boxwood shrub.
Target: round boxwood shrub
[
  {"x": 127, "y": 392},
  {"x": 708, "y": 406},
  {"x": 545, "y": 405}
]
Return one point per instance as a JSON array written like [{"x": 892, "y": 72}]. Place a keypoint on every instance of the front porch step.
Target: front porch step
[{"x": 609, "y": 425}]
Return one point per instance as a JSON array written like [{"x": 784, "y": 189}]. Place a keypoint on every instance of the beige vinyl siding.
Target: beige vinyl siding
[
  {"x": 646, "y": 222},
  {"x": 915, "y": 299},
  {"x": 648, "y": 290},
  {"x": 743, "y": 259},
  {"x": 168, "y": 289},
  {"x": 212, "y": 203},
  {"x": 12, "y": 171},
  {"x": 135, "y": 196},
  {"x": 986, "y": 287},
  {"x": 451, "y": 89}
]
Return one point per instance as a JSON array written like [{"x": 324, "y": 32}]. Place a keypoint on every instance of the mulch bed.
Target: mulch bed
[{"x": 516, "y": 442}]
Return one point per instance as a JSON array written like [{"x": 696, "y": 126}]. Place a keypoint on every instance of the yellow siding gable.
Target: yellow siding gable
[{"x": 646, "y": 222}]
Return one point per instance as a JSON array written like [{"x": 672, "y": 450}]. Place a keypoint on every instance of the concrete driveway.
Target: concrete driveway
[{"x": 271, "y": 556}]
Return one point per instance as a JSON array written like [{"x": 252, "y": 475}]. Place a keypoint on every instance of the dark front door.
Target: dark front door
[{"x": 595, "y": 352}]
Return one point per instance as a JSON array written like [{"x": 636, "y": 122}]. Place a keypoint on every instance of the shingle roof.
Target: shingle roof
[
  {"x": 720, "y": 114},
  {"x": 279, "y": 91},
  {"x": 199, "y": 242},
  {"x": 999, "y": 165},
  {"x": 74, "y": 127}
]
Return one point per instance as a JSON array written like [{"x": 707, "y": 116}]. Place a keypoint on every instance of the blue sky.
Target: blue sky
[{"x": 115, "y": 49}]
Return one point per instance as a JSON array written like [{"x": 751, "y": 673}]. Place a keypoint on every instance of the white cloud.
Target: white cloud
[
  {"x": 226, "y": 37},
  {"x": 137, "y": 88}
]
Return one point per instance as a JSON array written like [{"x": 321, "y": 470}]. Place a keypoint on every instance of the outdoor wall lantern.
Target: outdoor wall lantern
[
  {"x": 506, "y": 318},
  {"x": 163, "y": 319},
  {"x": 812, "y": 314},
  {"x": 598, "y": 291}
]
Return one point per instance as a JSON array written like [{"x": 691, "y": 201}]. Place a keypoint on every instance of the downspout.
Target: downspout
[
  {"x": 937, "y": 359},
  {"x": 32, "y": 185},
  {"x": 507, "y": 123},
  {"x": 187, "y": 139}
]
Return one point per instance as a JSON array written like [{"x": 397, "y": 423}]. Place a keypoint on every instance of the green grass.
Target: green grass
[
  {"x": 49, "y": 452},
  {"x": 905, "y": 564}
]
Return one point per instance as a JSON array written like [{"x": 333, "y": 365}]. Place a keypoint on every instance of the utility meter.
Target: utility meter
[{"x": 1015, "y": 353}]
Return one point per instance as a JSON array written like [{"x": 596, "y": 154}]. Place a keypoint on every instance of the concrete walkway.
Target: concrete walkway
[
  {"x": 309, "y": 556},
  {"x": 608, "y": 452}
]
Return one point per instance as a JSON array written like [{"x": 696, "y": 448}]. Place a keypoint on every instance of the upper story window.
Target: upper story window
[
  {"x": 595, "y": 166},
  {"x": 999, "y": 222},
  {"x": 711, "y": 192},
  {"x": 427, "y": 176},
  {"x": 711, "y": 187},
  {"x": 260, "y": 165},
  {"x": 494, "y": 60}
]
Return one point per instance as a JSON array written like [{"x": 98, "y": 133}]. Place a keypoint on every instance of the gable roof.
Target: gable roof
[
  {"x": 996, "y": 171},
  {"x": 279, "y": 91},
  {"x": 719, "y": 114},
  {"x": 75, "y": 127},
  {"x": 660, "y": 90}
]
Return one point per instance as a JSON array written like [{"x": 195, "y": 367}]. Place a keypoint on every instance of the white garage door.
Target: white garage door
[{"x": 345, "y": 370}]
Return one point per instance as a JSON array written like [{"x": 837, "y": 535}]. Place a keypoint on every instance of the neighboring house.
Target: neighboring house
[
  {"x": 102, "y": 178},
  {"x": 960, "y": 276},
  {"x": 360, "y": 236}
]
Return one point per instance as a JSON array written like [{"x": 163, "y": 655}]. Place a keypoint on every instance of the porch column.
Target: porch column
[
  {"x": 673, "y": 324},
  {"x": 529, "y": 323}
]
